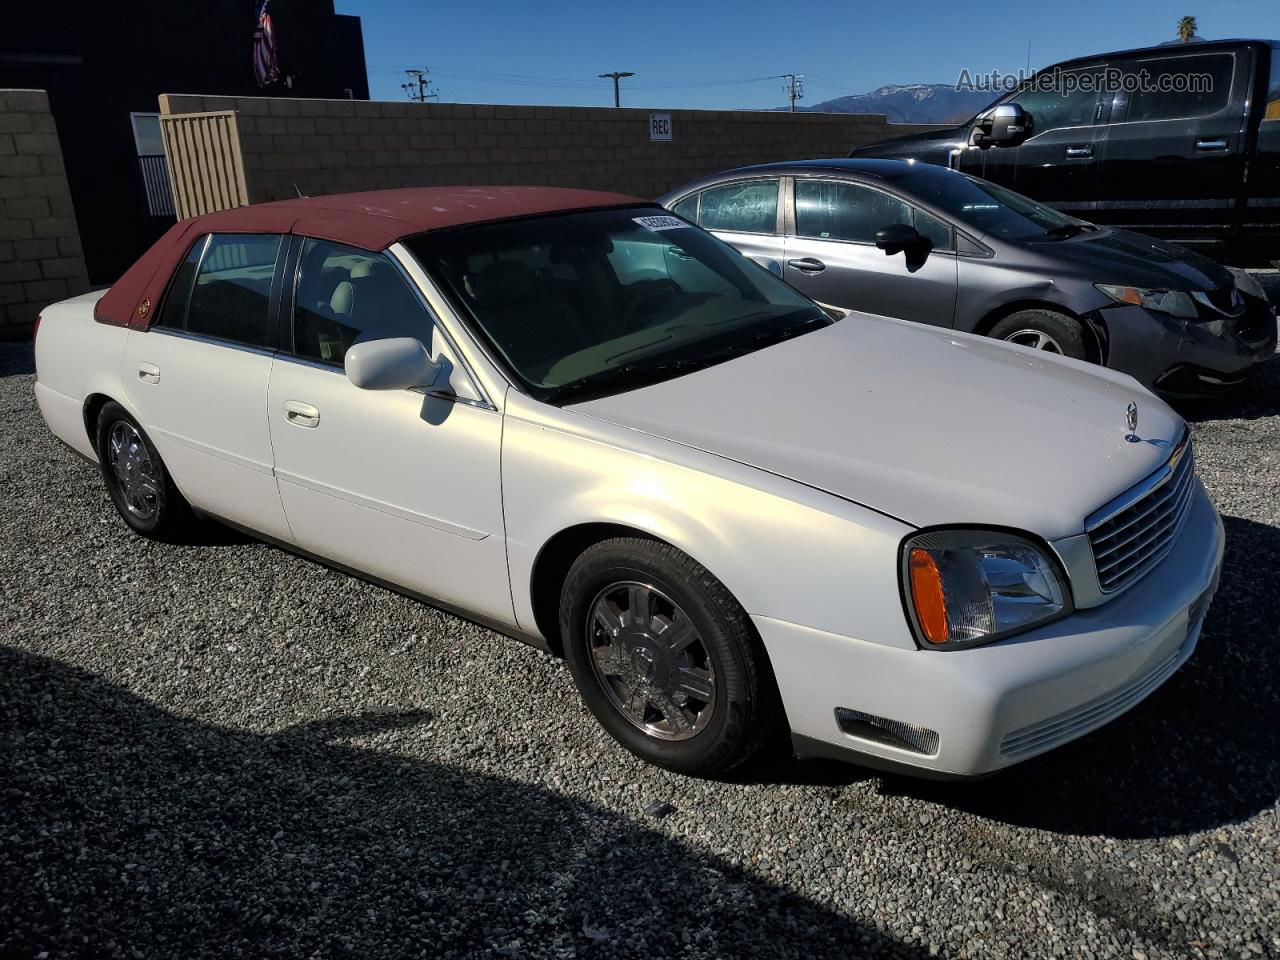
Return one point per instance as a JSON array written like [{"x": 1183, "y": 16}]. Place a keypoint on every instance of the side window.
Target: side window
[
  {"x": 687, "y": 208},
  {"x": 827, "y": 210},
  {"x": 1181, "y": 87},
  {"x": 232, "y": 291},
  {"x": 346, "y": 295},
  {"x": 750, "y": 207},
  {"x": 1069, "y": 103},
  {"x": 173, "y": 312},
  {"x": 935, "y": 230},
  {"x": 1272, "y": 111}
]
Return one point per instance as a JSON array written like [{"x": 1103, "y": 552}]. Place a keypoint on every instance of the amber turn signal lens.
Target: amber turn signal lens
[{"x": 926, "y": 593}]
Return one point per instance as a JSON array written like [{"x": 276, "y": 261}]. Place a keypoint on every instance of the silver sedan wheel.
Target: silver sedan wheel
[
  {"x": 651, "y": 660},
  {"x": 1035, "y": 339},
  {"x": 135, "y": 474}
]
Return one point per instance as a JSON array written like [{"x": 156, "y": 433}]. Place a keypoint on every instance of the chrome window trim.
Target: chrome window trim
[{"x": 215, "y": 341}]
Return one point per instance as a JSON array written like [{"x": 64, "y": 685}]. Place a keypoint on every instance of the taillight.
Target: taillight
[{"x": 35, "y": 328}]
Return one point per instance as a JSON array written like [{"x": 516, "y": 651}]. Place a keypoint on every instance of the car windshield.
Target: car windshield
[
  {"x": 988, "y": 208},
  {"x": 582, "y": 305}
]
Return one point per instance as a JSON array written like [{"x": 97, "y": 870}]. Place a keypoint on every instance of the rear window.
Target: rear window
[
  {"x": 1179, "y": 88},
  {"x": 232, "y": 291},
  {"x": 750, "y": 207}
]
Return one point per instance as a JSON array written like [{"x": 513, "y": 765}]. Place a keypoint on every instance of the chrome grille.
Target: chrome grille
[{"x": 1131, "y": 540}]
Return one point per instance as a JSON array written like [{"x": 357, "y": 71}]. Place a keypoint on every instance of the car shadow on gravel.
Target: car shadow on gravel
[
  {"x": 1201, "y": 752},
  {"x": 130, "y": 831}
]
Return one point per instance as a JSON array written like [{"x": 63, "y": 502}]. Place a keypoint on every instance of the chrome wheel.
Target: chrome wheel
[
  {"x": 651, "y": 660},
  {"x": 1035, "y": 339},
  {"x": 135, "y": 474}
]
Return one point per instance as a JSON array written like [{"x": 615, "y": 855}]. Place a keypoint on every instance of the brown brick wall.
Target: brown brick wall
[
  {"x": 335, "y": 146},
  {"x": 40, "y": 256}
]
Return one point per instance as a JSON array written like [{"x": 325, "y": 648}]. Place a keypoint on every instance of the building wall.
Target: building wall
[
  {"x": 101, "y": 61},
  {"x": 335, "y": 146},
  {"x": 40, "y": 256}
]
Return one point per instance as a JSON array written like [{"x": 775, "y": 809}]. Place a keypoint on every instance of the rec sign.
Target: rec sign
[{"x": 659, "y": 126}]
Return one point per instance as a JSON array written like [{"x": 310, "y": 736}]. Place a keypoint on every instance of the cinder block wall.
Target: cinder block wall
[
  {"x": 40, "y": 256},
  {"x": 334, "y": 146}
]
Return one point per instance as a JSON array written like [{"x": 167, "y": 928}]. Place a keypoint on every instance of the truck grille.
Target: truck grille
[{"x": 1128, "y": 543}]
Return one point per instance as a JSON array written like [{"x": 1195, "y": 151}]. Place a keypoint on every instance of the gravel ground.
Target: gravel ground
[{"x": 224, "y": 750}]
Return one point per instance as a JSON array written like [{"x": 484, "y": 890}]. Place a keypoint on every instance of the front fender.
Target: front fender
[{"x": 785, "y": 550}]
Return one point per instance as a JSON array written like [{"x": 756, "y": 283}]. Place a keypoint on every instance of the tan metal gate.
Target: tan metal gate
[{"x": 206, "y": 166}]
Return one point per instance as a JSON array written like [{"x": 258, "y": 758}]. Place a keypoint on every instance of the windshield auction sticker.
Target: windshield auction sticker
[{"x": 660, "y": 223}]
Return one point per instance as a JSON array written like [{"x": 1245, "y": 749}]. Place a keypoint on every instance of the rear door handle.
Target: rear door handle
[
  {"x": 148, "y": 373},
  {"x": 1080, "y": 152},
  {"x": 301, "y": 414},
  {"x": 807, "y": 265},
  {"x": 1210, "y": 146}
]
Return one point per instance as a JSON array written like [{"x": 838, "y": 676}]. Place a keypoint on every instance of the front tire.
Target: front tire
[
  {"x": 665, "y": 658},
  {"x": 1045, "y": 330},
  {"x": 137, "y": 481}
]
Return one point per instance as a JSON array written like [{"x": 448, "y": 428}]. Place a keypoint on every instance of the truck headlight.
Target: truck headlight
[
  {"x": 965, "y": 587},
  {"x": 1176, "y": 303}
]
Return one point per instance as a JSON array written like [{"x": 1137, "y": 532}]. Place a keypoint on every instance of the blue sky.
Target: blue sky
[{"x": 491, "y": 51}]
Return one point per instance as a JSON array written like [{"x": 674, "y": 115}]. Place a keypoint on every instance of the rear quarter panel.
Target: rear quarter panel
[{"x": 76, "y": 357}]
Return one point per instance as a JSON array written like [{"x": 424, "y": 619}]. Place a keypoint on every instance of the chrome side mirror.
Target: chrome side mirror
[
  {"x": 1007, "y": 126},
  {"x": 396, "y": 363}
]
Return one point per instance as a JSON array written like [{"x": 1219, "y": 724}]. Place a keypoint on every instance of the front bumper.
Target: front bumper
[
  {"x": 996, "y": 705},
  {"x": 1176, "y": 357}
]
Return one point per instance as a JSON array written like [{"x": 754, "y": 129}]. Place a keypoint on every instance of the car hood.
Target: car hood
[
  {"x": 923, "y": 424},
  {"x": 1119, "y": 256}
]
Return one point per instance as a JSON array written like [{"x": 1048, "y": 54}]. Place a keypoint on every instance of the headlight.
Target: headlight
[
  {"x": 965, "y": 587},
  {"x": 1246, "y": 283},
  {"x": 1176, "y": 303}
]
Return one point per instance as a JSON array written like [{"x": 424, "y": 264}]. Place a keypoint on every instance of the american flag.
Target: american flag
[{"x": 265, "y": 68}]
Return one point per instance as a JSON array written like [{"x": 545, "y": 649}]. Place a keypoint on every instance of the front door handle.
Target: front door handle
[
  {"x": 1080, "y": 152},
  {"x": 301, "y": 414},
  {"x": 807, "y": 265},
  {"x": 148, "y": 373},
  {"x": 1211, "y": 146}
]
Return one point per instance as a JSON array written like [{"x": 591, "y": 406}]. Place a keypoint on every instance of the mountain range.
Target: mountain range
[{"x": 910, "y": 103}]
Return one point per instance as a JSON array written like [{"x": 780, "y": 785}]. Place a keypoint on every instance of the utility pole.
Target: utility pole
[
  {"x": 418, "y": 87},
  {"x": 615, "y": 77},
  {"x": 794, "y": 88}
]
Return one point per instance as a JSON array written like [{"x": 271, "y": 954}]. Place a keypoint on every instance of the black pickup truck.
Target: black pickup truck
[{"x": 1178, "y": 141}]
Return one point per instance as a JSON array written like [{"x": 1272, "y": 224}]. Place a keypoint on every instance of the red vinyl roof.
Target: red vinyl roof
[{"x": 372, "y": 221}]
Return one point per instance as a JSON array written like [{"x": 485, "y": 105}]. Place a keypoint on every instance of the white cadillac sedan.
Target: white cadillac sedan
[{"x": 593, "y": 426}]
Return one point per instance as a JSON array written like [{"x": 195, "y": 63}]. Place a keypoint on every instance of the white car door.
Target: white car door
[
  {"x": 401, "y": 485},
  {"x": 198, "y": 379}
]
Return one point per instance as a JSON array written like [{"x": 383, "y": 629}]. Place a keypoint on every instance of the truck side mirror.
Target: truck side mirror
[{"x": 1006, "y": 126}]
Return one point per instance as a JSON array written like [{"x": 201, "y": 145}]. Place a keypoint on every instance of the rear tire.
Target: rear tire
[
  {"x": 665, "y": 657},
  {"x": 137, "y": 481},
  {"x": 1045, "y": 330}
]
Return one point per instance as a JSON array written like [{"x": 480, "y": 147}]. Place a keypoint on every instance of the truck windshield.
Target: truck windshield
[
  {"x": 989, "y": 208},
  {"x": 582, "y": 305}
]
